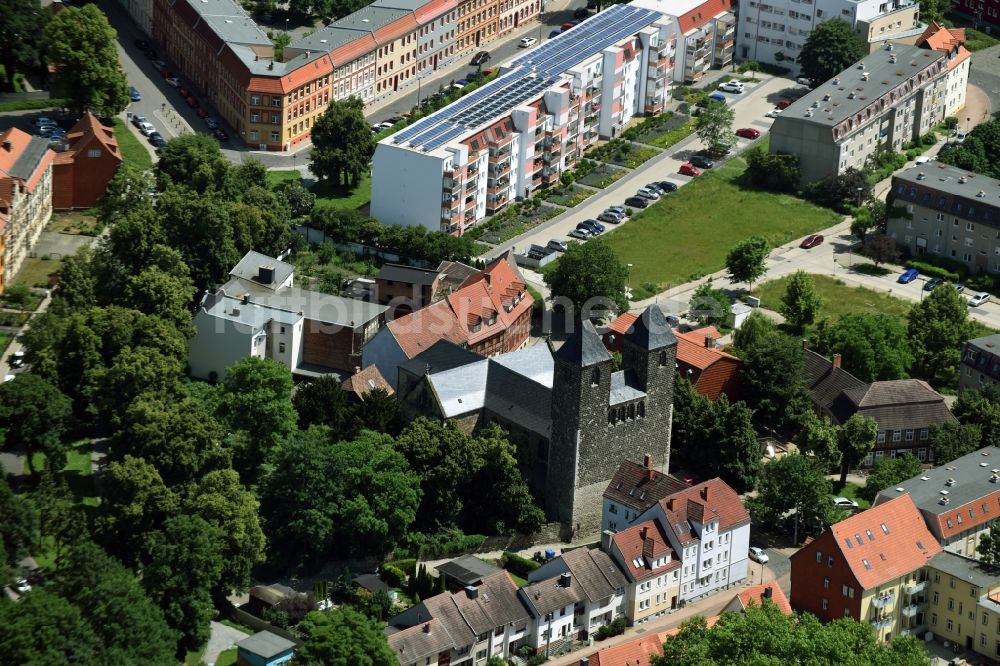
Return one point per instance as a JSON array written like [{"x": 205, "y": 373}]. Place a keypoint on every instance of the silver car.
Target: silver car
[
  {"x": 647, "y": 193},
  {"x": 558, "y": 245}
]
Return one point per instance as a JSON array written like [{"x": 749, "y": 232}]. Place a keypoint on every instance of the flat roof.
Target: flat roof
[
  {"x": 953, "y": 180},
  {"x": 249, "y": 266},
  {"x": 265, "y": 644},
  {"x": 964, "y": 568},
  {"x": 831, "y": 103},
  {"x": 370, "y": 18},
  {"x": 235, "y": 28},
  {"x": 987, "y": 343},
  {"x": 326, "y": 39},
  {"x": 325, "y": 308},
  {"x": 269, "y": 67},
  {"x": 468, "y": 569},
  {"x": 971, "y": 473}
]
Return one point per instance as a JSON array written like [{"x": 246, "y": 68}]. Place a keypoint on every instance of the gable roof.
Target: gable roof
[
  {"x": 440, "y": 357},
  {"x": 593, "y": 576},
  {"x": 884, "y": 542},
  {"x": 645, "y": 543},
  {"x": 948, "y": 40},
  {"x": 467, "y": 569},
  {"x": 825, "y": 382},
  {"x": 757, "y": 594},
  {"x": 265, "y": 644},
  {"x": 363, "y": 381},
  {"x": 407, "y": 274},
  {"x": 415, "y": 643},
  {"x": 623, "y": 324},
  {"x": 691, "y": 348},
  {"x": 89, "y": 129},
  {"x": 252, "y": 262},
  {"x": 701, "y": 503},
  {"x": 23, "y": 162},
  {"x": 895, "y": 404},
  {"x": 639, "y": 487}
]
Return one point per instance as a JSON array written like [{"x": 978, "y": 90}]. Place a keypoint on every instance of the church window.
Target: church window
[
  {"x": 631, "y": 412},
  {"x": 595, "y": 377},
  {"x": 663, "y": 358},
  {"x": 621, "y": 413},
  {"x": 642, "y": 409}
]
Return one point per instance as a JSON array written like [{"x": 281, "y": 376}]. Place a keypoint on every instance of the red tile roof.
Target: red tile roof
[
  {"x": 691, "y": 348},
  {"x": 366, "y": 380},
  {"x": 645, "y": 542},
  {"x": 907, "y": 546},
  {"x": 755, "y": 595},
  {"x": 623, "y": 323},
  {"x": 939, "y": 38},
  {"x": 19, "y": 142},
  {"x": 701, "y": 503}
]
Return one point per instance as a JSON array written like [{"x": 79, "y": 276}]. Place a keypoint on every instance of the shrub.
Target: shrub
[
  {"x": 941, "y": 267},
  {"x": 951, "y": 122},
  {"x": 516, "y": 564},
  {"x": 616, "y": 628},
  {"x": 929, "y": 139},
  {"x": 393, "y": 576},
  {"x": 452, "y": 541},
  {"x": 407, "y": 566},
  {"x": 983, "y": 282},
  {"x": 870, "y": 269}
]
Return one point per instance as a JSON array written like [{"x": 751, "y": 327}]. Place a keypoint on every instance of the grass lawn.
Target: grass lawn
[
  {"x": 850, "y": 491},
  {"x": 635, "y": 156},
  {"x": 4, "y": 341},
  {"x": 602, "y": 176},
  {"x": 668, "y": 139},
  {"x": 327, "y": 194},
  {"x": 226, "y": 657},
  {"x": 521, "y": 582},
  {"x": 690, "y": 232},
  {"x": 838, "y": 298},
  {"x": 193, "y": 658},
  {"x": 133, "y": 152},
  {"x": 76, "y": 222},
  {"x": 37, "y": 271}
]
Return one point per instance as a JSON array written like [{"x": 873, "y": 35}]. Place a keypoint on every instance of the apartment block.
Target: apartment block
[
  {"x": 519, "y": 132},
  {"x": 705, "y": 31},
  {"x": 25, "y": 197},
  {"x": 950, "y": 41},
  {"x": 653, "y": 569},
  {"x": 948, "y": 212},
  {"x": 633, "y": 490},
  {"x": 959, "y": 500},
  {"x": 893, "y": 96},
  {"x": 774, "y": 31},
  {"x": 980, "y": 363},
  {"x": 964, "y": 603}
]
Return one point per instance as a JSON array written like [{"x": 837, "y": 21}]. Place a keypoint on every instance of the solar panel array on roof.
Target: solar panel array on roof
[{"x": 591, "y": 36}]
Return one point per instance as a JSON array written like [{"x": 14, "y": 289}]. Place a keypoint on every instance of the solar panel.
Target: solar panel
[{"x": 444, "y": 138}]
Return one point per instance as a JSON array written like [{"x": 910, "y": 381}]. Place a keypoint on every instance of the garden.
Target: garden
[
  {"x": 513, "y": 221},
  {"x": 568, "y": 196},
  {"x": 329, "y": 194},
  {"x": 662, "y": 130},
  {"x": 598, "y": 174},
  {"x": 622, "y": 153}
]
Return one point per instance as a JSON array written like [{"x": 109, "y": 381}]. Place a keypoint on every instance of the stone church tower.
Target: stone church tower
[{"x": 601, "y": 417}]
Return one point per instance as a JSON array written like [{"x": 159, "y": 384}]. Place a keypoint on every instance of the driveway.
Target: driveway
[{"x": 222, "y": 638}]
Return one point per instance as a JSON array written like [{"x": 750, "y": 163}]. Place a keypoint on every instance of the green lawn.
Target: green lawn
[
  {"x": 37, "y": 271},
  {"x": 327, "y": 194},
  {"x": 688, "y": 233},
  {"x": 850, "y": 491},
  {"x": 838, "y": 298},
  {"x": 133, "y": 152},
  {"x": 4, "y": 341},
  {"x": 226, "y": 658}
]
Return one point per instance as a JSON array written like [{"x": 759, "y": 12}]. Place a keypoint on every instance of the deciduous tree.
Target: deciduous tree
[
  {"x": 857, "y": 439},
  {"x": 887, "y": 473},
  {"x": 590, "y": 278},
  {"x": 709, "y": 305},
  {"x": 938, "y": 327},
  {"x": 18, "y": 526},
  {"x": 980, "y": 408},
  {"x": 34, "y": 415},
  {"x": 342, "y": 143},
  {"x": 324, "y": 402},
  {"x": 43, "y": 628},
  {"x": 754, "y": 328},
  {"x": 881, "y": 248},
  {"x": 953, "y": 440},
  {"x": 872, "y": 346},
  {"x": 194, "y": 161},
  {"x": 773, "y": 378},
  {"x": 21, "y": 41},
  {"x": 793, "y": 482},
  {"x": 344, "y": 637},
  {"x": 82, "y": 45},
  {"x": 746, "y": 261},
  {"x": 801, "y": 302},
  {"x": 821, "y": 438},
  {"x": 831, "y": 47},
  {"x": 714, "y": 126},
  {"x": 989, "y": 545},
  {"x": 778, "y": 172}
]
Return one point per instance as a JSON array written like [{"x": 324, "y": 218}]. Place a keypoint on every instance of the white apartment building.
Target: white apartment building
[
  {"x": 709, "y": 531},
  {"x": 893, "y": 96},
  {"x": 774, "y": 31},
  {"x": 522, "y": 130},
  {"x": 705, "y": 31},
  {"x": 951, "y": 42}
]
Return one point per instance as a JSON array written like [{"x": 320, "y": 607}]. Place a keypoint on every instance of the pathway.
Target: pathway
[{"x": 222, "y": 638}]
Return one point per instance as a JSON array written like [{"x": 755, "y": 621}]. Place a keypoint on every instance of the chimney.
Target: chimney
[
  {"x": 709, "y": 342},
  {"x": 486, "y": 278},
  {"x": 265, "y": 274},
  {"x": 565, "y": 579},
  {"x": 246, "y": 298},
  {"x": 704, "y": 493},
  {"x": 427, "y": 627},
  {"x": 643, "y": 532},
  {"x": 357, "y": 369},
  {"x": 836, "y": 360},
  {"x": 647, "y": 461},
  {"x": 767, "y": 592},
  {"x": 7, "y": 145},
  {"x": 805, "y": 343},
  {"x": 472, "y": 591}
]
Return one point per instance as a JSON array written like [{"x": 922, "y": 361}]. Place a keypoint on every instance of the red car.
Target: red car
[
  {"x": 748, "y": 133},
  {"x": 166, "y": 73},
  {"x": 811, "y": 241},
  {"x": 202, "y": 113},
  {"x": 783, "y": 103},
  {"x": 687, "y": 169},
  {"x": 192, "y": 102},
  {"x": 184, "y": 91}
]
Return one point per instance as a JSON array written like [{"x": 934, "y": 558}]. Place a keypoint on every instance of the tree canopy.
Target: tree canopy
[
  {"x": 18, "y": 526},
  {"x": 773, "y": 378},
  {"x": 888, "y": 472},
  {"x": 21, "y": 41},
  {"x": 938, "y": 327},
  {"x": 714, "y": 126},
  {"x": 342, "y": 142},
  {"x": 33, "y": 416},
  {"x": 980, "y": 150},
  {"x": 344, "y": 637},
  {"x": 801, "y": 303},
  {"x": 872, "y": 346},
  {"x": 746, "y": 261},
  {"x": 831, "y": 47},
  {"x": 793, "y": 482},
  {"x": 589, "y": 278}
]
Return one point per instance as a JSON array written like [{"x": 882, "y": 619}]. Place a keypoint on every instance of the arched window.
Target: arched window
[
  {"x": 663, "y": 358},
  {"x": 631, "y": 411},
  {"x": 642, "y": 409},
  {"x": 595, "y": 377},
  {"x": 621, "y": 413},
  {"x": 611, "y": 417}
]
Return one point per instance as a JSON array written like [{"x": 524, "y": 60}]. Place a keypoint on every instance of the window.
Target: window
[
  {"x": 867, "y": 564},
  {"x": 94, "y": 152},
  {"x": 829, "y": 561},
  {"x": 275, "y": 136},
  {"x": 933, "y": 619},
  {"x": 826, "y": 604},
  {"x": 819, "y": 556},
  {"x": 255, "y": 100},
  {"x": 281, "y": 347},
  {"x": 885, "y": 528},
  {"x": 826, "y": 583},
  {"x": 909, "y": 435},
  {"x": 897, "y": 435},
  {"x": 881, "y": 437}
]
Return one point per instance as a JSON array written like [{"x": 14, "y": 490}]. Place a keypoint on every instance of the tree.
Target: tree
[
  {"x": 800, "y": 303},
  {"x": 888, "y": 472},
  {"x": 300, "y": 201},
  {"x": 83, "y": 46},
  {"x": 793, "y": 482},
  {"x": 709, "y": 306},
  {"x": 20, "y": 38},
  {"x": 953, "y": 440},
  {"x": 34, "y": 415},
  {"x": 740, "y": 457},
  {"x": 857, "y": 439},
  {"x": 589, "y": 278},
  {"x": 194, "y": 161},
  {"x": 820, "y": 438},
  {"x": 342, "y": 143},
  {"x": 135, "y": 504},
  {"x": 42, "y": 629},
  {"x": 157, "y": 292},
  {"x": 751, "y": 66},
  {"x": 881, "y": 248},
  {"x": 831, "y": 47},
  {"x": 379, "y": 411},
  {"x": 257, "y": 400},
  {"x": 778, "y": 172},
  {"x": 746, "y": 261},
  {"x": 714, "y": 126},
  {"x": 185, "y": 563},
  {"x": 938, "y": 327},
  {"x": 344, "y": 637},
  {"x": 772, "y": 376},
  {"x": 18, "y": 526},
  {"x": 989, "y": 545},
  {"x": 872, "y": 346},
  {"x": 754, "y": 329},
  {"x": 982, "y": 409},
  {"x": 59, "y": 515},
  {"x": 128, "y": 625},
  {"x": 127, "y": 192},
  {"x": 326, "y": 498},
  {"x": 979, "y": 150},
  {"x": 324, "y": 402},
  {"x": 840, "y": 191}
]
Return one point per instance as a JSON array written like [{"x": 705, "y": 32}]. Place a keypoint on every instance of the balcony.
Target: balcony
[
  {"x": 912, "y": 610},
  {"x": 497, "y": 170},
  {"x": 447, "y": 199},
  {"x": 447, "y": 215},
  {"x": 882, "y": 623},
  {"x": 500, "y": 152},
  {"x": 884, "y": 601},
  {"x": 916, "y": 587}
]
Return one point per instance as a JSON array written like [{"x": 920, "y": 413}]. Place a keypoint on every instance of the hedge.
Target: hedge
[
  {"x": 870, "y": 269},
  {"x": 32, "y": 104},
  {"x": 393, "y": 576},
  {"x": 936, "y": 269},
  {"x": 516, "y": 564},
  {"x": 407, "y": 566}
]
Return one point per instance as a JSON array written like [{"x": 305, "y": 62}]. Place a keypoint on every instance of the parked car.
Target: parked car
[
  {"x": 655, "y": 187},
  {"x": 157, "y": 140},
  {"x": 192, "y": 102},
  {"x": 932, "y": 284},
  {"x": 43, "y": 121},
  {"x": 581, "y": 13},
  {"x": 811, "y": 241},
  {"x": 803, "y": 81},
  {"x": 618, "y": 210},
  {"x": 908, "y": 276},
  {"x": 48, "y": 130},
  {"x": 134, "y": 94},
  {"x": 166, "y": 73},
  {"x": 610, "y": 218},
  {"x": 773, "y": 113},
  {"x": 582, "y": 234},
  {"x": 220, "y": 135},
  {"x": 152, "y": 55},
  {"x": 701, "y": 161},
  {"x": 923, "y": 159},
  {"x": 526, "y": 42},
  {"x": 647, "y": 193},
  {"x": 959, "y": 287},
  {"x": 173, "y": 81},
  {"x": 845, "y": 503},
  {"x": 731, "y": 87},
  {"x": 481, "y": 58},
  {"x": 183, "y": 91},
  {"x": 717, "y": 97},
  {"x": 636, "y": 202},
  {"x": 202, "y": 112},
  {"x": 595, "y": 226},
  {"x": 138, "y": 121},
  {"x": 212, "y": 123},
  {"x": 141, "y": 44},
  {"x": 959, "y": 136},
  {"x": 783, "y": 104},
  {"x": 687, "y": 169},
  {"x": 17, "y": 359},
  {"x": 22, "y": 586},
  {"x": 146, "y": 128},
  {"x": 557, "y": 245},
  {"x": 978, "y": 299},
  {"x": 554, "y": 33},
  {"x": 748, "y": 133},
  {"x": 667, "y": 186},
  {"x": 58, "y": 134},
  {"x": 758, "y": 555}
]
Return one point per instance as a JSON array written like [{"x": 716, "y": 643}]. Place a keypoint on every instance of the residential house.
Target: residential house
[
  {"x": 945, "y": 211},
  {"x": 964, "y": 604},
  {"x": 81, "y": 173},
  {"x": 406, "y": 288},
  {"x": 952, "y": 42},
  {"x": 571, "y": 597},
  {"x": 637, "y": 652},
  {"x": 364, "y": 381},
  {"x": 265, "y": 597},
  {"x": 980, "y": 363},
  {"x": 489, "y": 315},
  {"x": 774, "y": 32},
  {"x": 893, "y": 96},
  {"x": 652, "y": 567},
  {"x": 709, "y": 531},
  {"x": 259, "y": 312},
  {"x": 465, "y": 627},
  {"x": 466, "y": 570},
  {"x": 264, "y": 649},
  {"x": 959, "y": 500},
  {"x": 25, "y": 197},
  {"x": 870, "y": 567},
  {"x": 904, "y": 409},
  {"x": 633, "y": 489}
]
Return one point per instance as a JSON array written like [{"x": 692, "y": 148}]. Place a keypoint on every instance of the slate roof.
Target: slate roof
[
  {"x": 440, "y": 357},
  {"x": 593, "y": 577},
  {"x": 825, "y": 382},
  {"x": 645, "y": 543},
  {"x": 625, "y": 387},
  {"x": 651, "y": 330},
  {"x": 973, "y": 488},
  {"x": 461, "y": 390},
  {"x": 407, "y": 274},
  {"x": 877, "y": 554},
  {"x": 468, "y": 569},
  {"x": 638, "y": 487},
  {"x": 518, "y": 398},
  {"x": 416, "y": 643},
  {"x": 895, "y": 405},
  {"x": 584, "y": 347},
  {"x": 370, "y": 582},
  {"x": 265, "y": 644}
]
